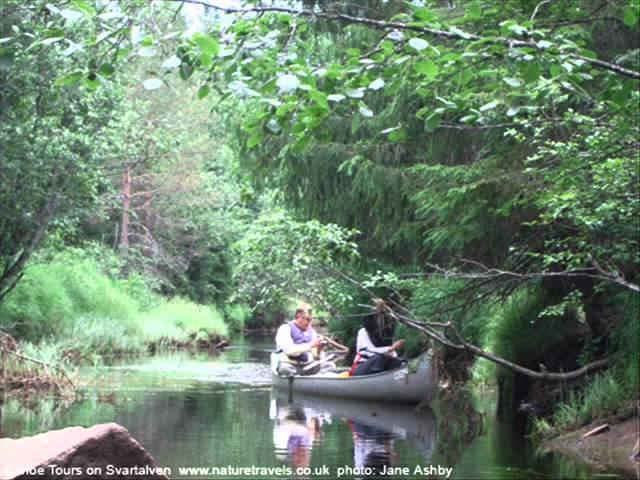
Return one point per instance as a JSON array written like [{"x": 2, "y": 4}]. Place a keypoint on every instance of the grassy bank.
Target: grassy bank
[
  {"x": 78, "y": 302},
  {"x": 526, "y": 331}
]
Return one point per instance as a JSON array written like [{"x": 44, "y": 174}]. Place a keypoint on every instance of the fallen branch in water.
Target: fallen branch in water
[{"x": 40, "y": 362}]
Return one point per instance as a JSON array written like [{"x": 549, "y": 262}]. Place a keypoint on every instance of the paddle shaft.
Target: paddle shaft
[{"x": 335, "y": 344}]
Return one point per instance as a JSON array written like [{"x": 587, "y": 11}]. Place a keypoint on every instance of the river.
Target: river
[{"x": 217, "y": 410}]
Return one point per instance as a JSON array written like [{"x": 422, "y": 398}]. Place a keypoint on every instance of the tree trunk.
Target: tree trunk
[{"x": 126, "y": 206}]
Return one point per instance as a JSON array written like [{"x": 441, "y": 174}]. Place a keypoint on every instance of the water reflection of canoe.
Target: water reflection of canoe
[
  {"x": 402, "y": 421},
  {"x": 402, "y": 385}
]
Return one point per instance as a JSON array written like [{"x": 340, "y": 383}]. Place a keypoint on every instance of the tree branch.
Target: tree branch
[
  {"x": 496, "y": 274},
  {"x": 443, "y": 34},
  {"x": 428, "y": 329}
]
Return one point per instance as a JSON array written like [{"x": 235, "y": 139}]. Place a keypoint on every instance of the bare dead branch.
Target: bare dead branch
[{"x": 429, "y": 328}]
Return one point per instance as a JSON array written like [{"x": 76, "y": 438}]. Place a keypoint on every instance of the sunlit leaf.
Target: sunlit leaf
[
  {"x": 427, "y": 68},
  {"x": 377, "y": 84},
  {"x": 512, "y": 82},
  {"x": 147, "y": 52},
  {"x": 418, "y": 43},
  {"x": 152, "y": 83},
  {"x": 255, "y": 139},
  {"x": 365, "y": 111},
  {"x": 171, "y": 62},
  {"x": 288, "y": 83},
  {"x": 355, "y": 93},
  {"x": 206, "y": 43},
  {"x": 69, "y": 79},
  {"x": 489, "y": 106},
  {"x": 85, "y": 7}
]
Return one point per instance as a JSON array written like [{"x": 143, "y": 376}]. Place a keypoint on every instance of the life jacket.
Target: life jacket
[{"x": 299, "y": 336}]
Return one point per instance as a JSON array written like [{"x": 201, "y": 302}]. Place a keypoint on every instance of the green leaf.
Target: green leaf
[
  {"x": 84, "y": 7},
  {"x": 630, "y": 17},
  {"x": 465, "y": 76},
  {"x": 186, "y": 71},
  {"x": 320, "y": 99},
  {"x": 205, "y": 59},
  {"x": 203, "y": 91},
  {"x": 355, "y": 124},
  {"x": 106, "y": 70},
  {"x": 532, "y": 73},
  {"x": 474, "y": 12},
  {"x": 152, "y": 83},
  {"x": 69, "y": 79},
  {"x": 255, "y": 139},
  {"x": 397, "y": 135},
  {"x": 432, "y": 122},
  {"x": 92, "y": 82},
  {"x": 427, "y": 68},
  {"x": 554, "y": 70},
  {"x": 424, "y": 14},
  {"x": 206, "y": 43}
]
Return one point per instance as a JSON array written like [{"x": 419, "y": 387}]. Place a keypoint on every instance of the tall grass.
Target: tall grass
[
  {"x": 78, "y": 300},
  {"x": 237, "y": 315},
  {"x": 180, "y": 320},
  {"x": 513, "y": 331}
]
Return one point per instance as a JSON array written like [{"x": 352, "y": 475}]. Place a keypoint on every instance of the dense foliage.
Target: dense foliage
[{"x": 475, "y": 161}]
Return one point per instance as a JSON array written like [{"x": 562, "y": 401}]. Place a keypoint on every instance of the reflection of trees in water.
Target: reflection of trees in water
[
  {"x": 32, "y": 415},
  {"x": 459, "y": 423}
]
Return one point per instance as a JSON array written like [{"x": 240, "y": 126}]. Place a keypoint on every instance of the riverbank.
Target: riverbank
[
  {"x": 609, "y": 451},
  {"x": 48, "y": 367}
]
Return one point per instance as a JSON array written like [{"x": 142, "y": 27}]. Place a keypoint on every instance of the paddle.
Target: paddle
[
  {"x": 339, "y": 346},
  {"x": 315, "y": 363}
]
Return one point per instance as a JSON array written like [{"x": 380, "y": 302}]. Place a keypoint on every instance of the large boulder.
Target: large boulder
[{"x": 102, "y": 451}]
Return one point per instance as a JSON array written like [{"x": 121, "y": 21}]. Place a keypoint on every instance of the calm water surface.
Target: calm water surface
[{"x": 218, "y": 410}]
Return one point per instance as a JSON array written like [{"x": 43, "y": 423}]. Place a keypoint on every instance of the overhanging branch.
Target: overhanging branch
[{"x": 432, "y": 32}]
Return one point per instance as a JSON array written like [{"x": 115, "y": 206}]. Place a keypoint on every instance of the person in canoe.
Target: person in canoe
[
  {"x": 375, "y": 349},
  {"x": 300, "y": 347}
]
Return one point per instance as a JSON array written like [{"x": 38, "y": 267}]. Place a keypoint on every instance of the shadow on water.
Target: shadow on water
[{"x": 205, "y": 409}]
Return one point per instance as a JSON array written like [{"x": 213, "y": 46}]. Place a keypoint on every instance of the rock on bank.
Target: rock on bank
[{"x": 102, "y": 451}]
